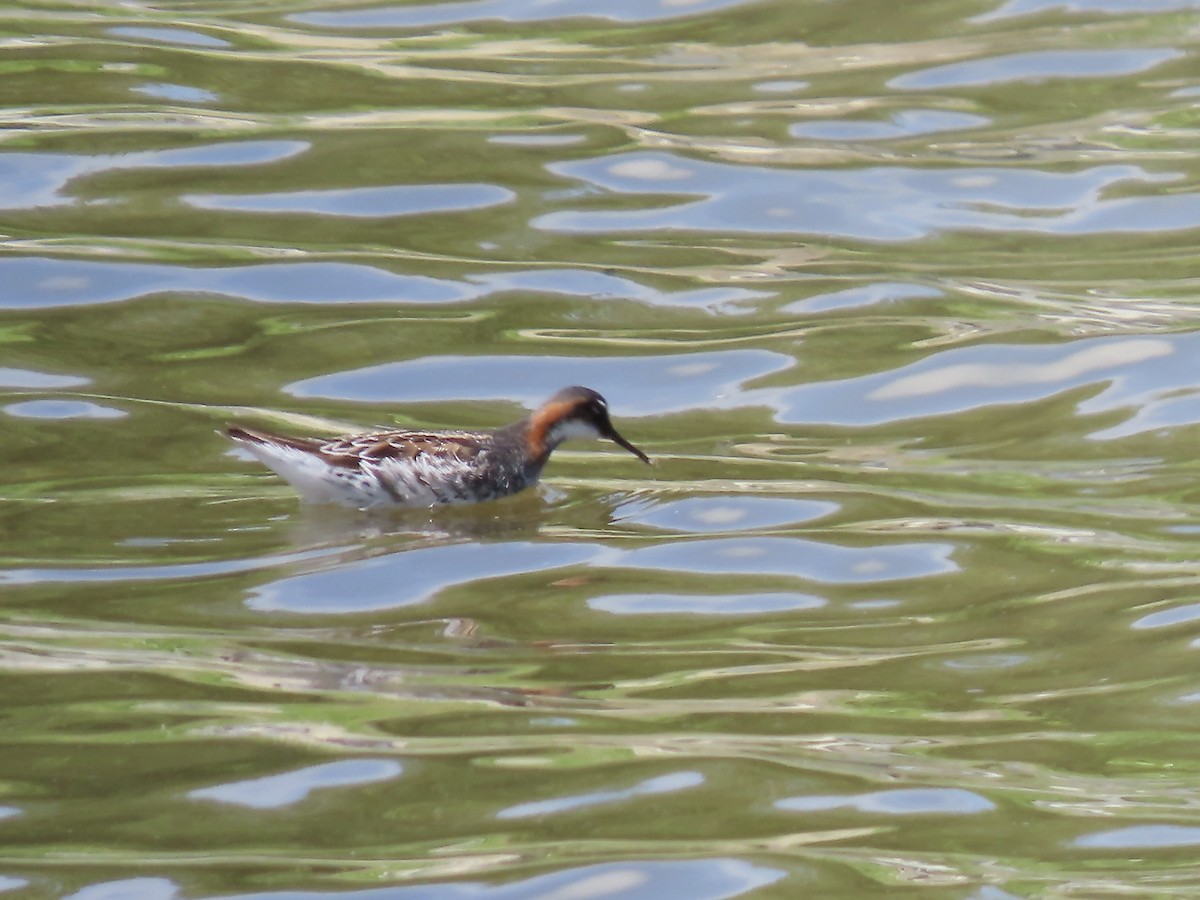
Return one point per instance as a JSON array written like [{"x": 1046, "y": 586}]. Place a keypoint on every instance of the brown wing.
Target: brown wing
[
  {"x": 259, "y": 436},
  {"x": 450, "y": 446},
  {"x": 354, "y": 450}
]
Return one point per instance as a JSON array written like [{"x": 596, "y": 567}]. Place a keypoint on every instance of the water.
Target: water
[{"x": 900, "y": 297}]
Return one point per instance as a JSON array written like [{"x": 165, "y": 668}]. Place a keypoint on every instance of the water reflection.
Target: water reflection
[
  {"x": 720, "y": 514},
  {"x": 131, "y": 888},
  {"x": 376, "y": 579},
  {"x": 865, "y": 295},
  {"x": 913, "y": 582},
  {"x": 1140, "y": 374},
  {"x": 413, "y": 576},
  {"x": 407, "y": 200},
  {"x": 178, "y": 93},
  {"x": 870, "y": 204},
  {"x": 780, "y": 87},
  {"x": 677, "y": 781},
  {"x": 704, "y": 605},
  {"x": 797, "y": 558},
  {"x": 1014, "y": 8},
  {"x": 899, "y": 802},
  {"x": 903, "y": 123},
  {"x": 1142, "y": 837},
  {"x": 681, "y": 381},
  {"x": 275, "y": 791},
  {"x": 39, "y": 282},
  {"x": 24, "y": 378},
  {"x": 42, "y": 282},
  {"x": 110, "y": 573},
  {"x": 424, "y": 16},
  {"x": 1037, "y": 65},
  {"x": 181, "y": 36},
  {"x": 32, "y": 180},
  {"x": 1166, "y": 618},
  {"x": 63, "y": 409},
  {"x": 603, "y": 285},
  {"x": 698, "y": 879}
]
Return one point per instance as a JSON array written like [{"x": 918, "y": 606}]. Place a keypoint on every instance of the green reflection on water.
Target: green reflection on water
[{"x": 136, "y": 668}]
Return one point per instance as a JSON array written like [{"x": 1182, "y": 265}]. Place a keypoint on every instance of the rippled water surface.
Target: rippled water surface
[{"x": 902, "y": 299}]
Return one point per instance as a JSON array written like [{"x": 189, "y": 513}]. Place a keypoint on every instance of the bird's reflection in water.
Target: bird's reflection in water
[
  {"x": 519, "y": 518},
  {"x": 375, "y": 571},
  {"x": 376, "y": 564},
  {"x": 547, "y": 513}
]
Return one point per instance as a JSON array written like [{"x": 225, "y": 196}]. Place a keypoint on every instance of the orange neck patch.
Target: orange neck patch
[{"x": 540, "y": 423}]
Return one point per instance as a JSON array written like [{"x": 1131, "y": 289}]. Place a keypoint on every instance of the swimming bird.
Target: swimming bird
[{"x": 431, "y": 468}]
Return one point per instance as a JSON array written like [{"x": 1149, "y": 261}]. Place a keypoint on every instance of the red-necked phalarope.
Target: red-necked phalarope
[{"x": 428, "y": 468}]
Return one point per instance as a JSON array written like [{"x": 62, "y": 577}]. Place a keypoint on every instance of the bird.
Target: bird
[{"x": 432, "y": 468}]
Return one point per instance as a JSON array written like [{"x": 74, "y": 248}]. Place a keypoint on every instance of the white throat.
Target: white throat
[{"x": 571, "y": 429}]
